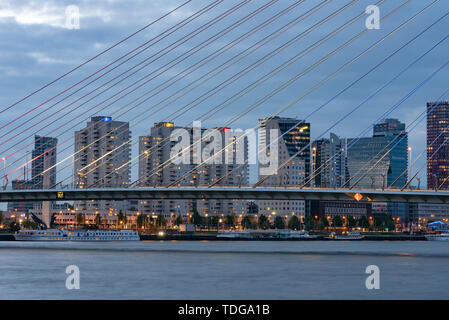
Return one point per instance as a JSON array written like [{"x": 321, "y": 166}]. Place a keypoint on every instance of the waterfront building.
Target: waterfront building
[
  {"x": 253, "y": 208},
  {"x": 437, "y": 146},
  {"x": 68, "y": 218},
  {"x": 425, "y": 212},
  {"x": 379, "y": 208},
  {"x": 293, "y": 162},
  {"x": 380, "y": 160},
  {"x": 330, "y": 209},
  {"x": 329, "y": 162},
  {"x": 102, "y": 155},
  {"x": 157, "y": 168}
]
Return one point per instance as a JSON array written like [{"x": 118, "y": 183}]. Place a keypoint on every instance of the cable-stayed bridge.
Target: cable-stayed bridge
[{"x": 203, "y": 67}]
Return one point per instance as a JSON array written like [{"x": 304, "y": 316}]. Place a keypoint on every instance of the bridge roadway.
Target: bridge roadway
[{"x": 248, "y": 193}]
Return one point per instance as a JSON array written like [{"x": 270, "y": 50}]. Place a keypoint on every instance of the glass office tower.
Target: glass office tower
[
  {"x": 380, "y": 160},
  {"x": 437, "y": 146}
]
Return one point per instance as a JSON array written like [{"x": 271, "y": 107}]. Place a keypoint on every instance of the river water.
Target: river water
[{"x": 224, "y": 270}]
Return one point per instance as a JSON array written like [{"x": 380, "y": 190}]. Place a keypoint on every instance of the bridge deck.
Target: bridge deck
[{"x": 417, "y": 196}]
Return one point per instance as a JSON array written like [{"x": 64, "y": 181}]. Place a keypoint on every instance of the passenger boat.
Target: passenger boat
[
  {"x": 293, "y": 234},
  {"x": 76, "y": 235},
  {"x": 438, "y": 236},
  {"x": 351, "y": 235},
  {"x": 234, "y": 234}
]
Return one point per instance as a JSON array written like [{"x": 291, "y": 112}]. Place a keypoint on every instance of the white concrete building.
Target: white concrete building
[
  {"x": 97, "y": 161},
  {"x": 156, "y": 169},
  {"x": 292, "y": 168}
]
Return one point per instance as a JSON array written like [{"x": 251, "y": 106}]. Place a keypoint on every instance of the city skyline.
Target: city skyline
[
  {"x": 103, "y": 133},
  {"x": 33, "y": 171}
]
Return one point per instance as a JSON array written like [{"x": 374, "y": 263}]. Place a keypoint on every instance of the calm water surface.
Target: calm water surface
[{"x": 224, "y": 270}]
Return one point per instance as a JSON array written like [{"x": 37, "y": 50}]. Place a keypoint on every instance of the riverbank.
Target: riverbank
[
  {"x": 6, "y": 237},
  {"x": 212, "y": 237}
]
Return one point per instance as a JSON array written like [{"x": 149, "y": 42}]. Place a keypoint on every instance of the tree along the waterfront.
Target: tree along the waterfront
[
  {"x": 352, "y": 222},
  {"x": 247, "y": 222},
  {"x": 324, "y": 223},
  {"x": 141, "y": 221},
  {"x": 230, "y": 220},
  {"x": 28, "y": 224},
  {"x": 98, "y": 220},
  {"x": 196, "y": 218},
  {"x": 279, "y": 222},
  {"x": 363, "y": 222},
  {"x": 179, "y": 220},
  {"x": 293, "y": 223},
  {"x": 121, "y": 218},
  {"x": 80, "y": 219},
  {"x": 263, "y": 222},
  {"x": 337, "y": 222},
  {"x": 309, "y": 223},
  {"x": 160, "y": 221}
]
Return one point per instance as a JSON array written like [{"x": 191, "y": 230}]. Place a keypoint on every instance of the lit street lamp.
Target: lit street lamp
[{"x": 410, "y": 149}]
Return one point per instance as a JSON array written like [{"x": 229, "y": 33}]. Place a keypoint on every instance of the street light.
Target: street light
[
  {"x": 4, "y": 172},
  {"x": 410, "y": 149}
]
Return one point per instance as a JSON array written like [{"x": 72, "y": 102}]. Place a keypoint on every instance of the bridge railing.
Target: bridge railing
[{"x": 124, "y": 186}]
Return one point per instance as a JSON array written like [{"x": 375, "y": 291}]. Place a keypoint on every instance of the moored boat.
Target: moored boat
[
  {"x": 76, "y": 235},
  {"x": 438, "y": 236},
  {"x": 296, "y": 234},
  {"x": 234, "y": 234},
  {"x": 351, "y": 235}
]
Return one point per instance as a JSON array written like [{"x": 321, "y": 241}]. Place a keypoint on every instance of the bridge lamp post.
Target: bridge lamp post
[
  {"x": 4, "y": 170},
  {"x": 410, "y": 149}
]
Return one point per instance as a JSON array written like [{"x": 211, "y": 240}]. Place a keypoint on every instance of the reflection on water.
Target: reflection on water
[{"x": 224, "y": 270}]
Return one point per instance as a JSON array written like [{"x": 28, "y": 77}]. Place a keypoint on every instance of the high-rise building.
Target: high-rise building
[
  {"x": 21, "y": 206},
  {"x": 329, "y": 162},
  {"x": 44, "y": 155},
  {"x": 43, "y": 172},
  {"x": 437, "y": 145},
  {"x": 102, "y": 155},
  {"x": 380, "y": 160},
  {"x": 155, "y": 171},
  {"x": 293, "y": 162},
  {"x": 157, "y": 168}
]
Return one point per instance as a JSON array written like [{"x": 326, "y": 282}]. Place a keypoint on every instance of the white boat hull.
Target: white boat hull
[
  {"x": 352, "y": 235},
  {"x": 76, "y": 235},
  {"x": 347, "y": 238},
  {"x": 437, "y": 237}
]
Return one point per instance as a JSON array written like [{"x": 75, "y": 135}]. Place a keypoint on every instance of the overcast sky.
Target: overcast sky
[{"x": 37, "y": 46}]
